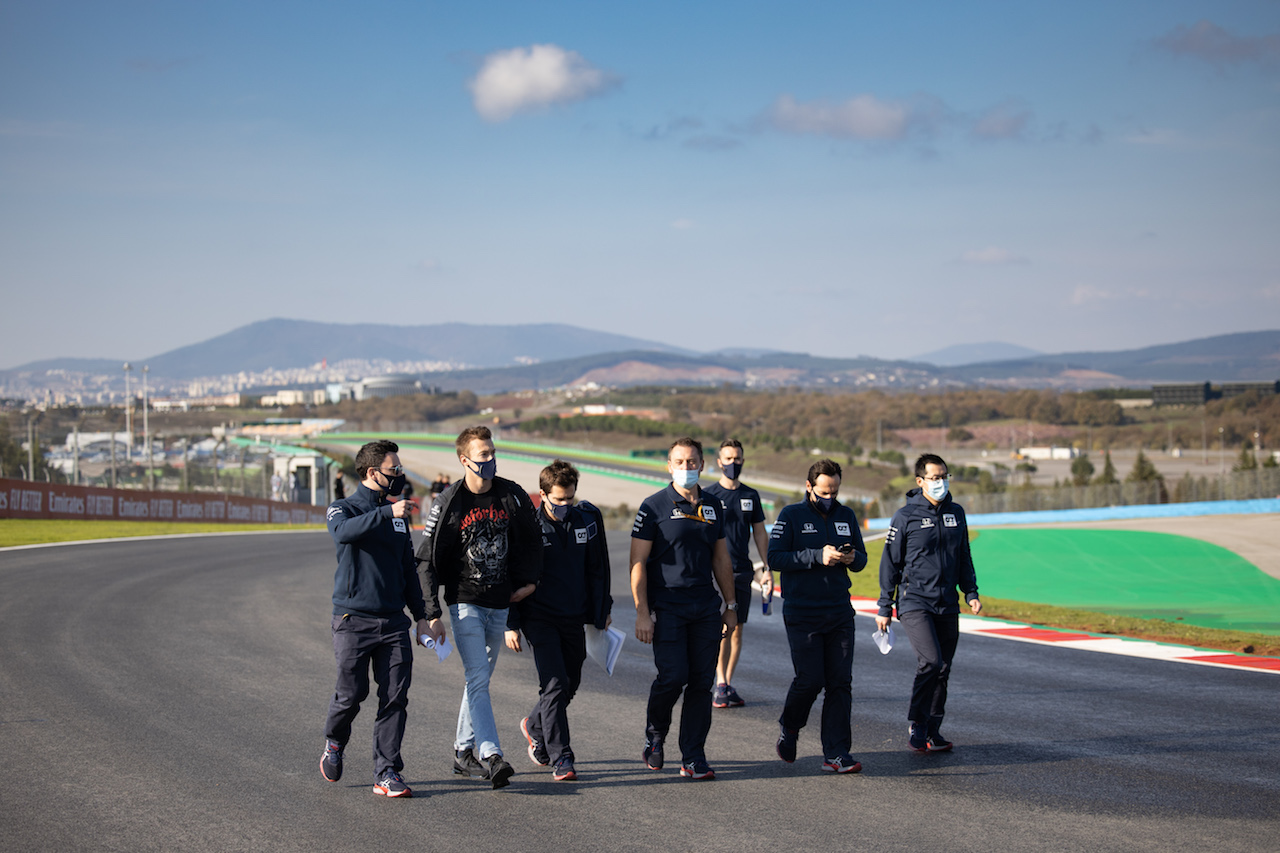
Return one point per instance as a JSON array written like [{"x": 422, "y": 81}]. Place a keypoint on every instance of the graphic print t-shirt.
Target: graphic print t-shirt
[{"x": 483, "y": 539}]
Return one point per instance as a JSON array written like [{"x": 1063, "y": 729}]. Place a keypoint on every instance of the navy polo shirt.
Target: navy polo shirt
[
  {"x": 741, "y": 510},
  {"x": 684, "y": 537}
]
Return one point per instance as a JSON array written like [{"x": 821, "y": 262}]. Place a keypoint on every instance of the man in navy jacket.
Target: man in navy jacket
[
  {"x": 814, "y": 545},
  {"x": 375, "y": 581},
  {"x": 572, "y": 592},
  {"x": 926, "y": 557}
]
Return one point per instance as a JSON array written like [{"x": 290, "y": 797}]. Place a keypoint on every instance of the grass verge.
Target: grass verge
[{"x": 35, "y": 531}]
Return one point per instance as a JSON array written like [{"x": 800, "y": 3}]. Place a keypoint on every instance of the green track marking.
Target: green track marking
[{"x": 1129, "y": 573}]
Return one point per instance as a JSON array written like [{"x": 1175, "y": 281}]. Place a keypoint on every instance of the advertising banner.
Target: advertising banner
[{"x": 23, "y": 499}]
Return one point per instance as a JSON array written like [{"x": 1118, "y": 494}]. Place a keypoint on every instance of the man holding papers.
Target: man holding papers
[{"x": 573, "y": 591}]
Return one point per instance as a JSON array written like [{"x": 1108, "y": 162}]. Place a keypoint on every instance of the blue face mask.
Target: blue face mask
[
  {"x": 485, "y": 470},
  {"x": 560, "y": 511},
  {"x": 824, "y": 504},
  {"x": 684, "y": 478},
  {"x": 731, "y": 470}
]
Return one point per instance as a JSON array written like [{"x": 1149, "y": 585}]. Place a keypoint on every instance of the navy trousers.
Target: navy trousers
[
  {"x": 361, "y": 643},
  {"x": 822, "y": 654},
  {"x": 686, "y": 644},
  {"x": 559, "y": 648},
  {"x": 934, "y": 637}
]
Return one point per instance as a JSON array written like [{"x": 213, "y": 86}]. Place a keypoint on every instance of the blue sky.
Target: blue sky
[{"x": 839, "y": 178}]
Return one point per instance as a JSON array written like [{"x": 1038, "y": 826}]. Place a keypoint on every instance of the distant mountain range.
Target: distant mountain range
[{"x": 505, "y": 358}]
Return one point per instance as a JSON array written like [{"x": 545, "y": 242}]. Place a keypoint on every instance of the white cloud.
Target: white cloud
[
  {"x": 682, "y": 224},
  {"x": 1087, "y": 293},
  {"x": 1003, "y": 121},
  {"x": 860, "y": 117},
  {"x": 991, "y": 256},
  {"x": 524, "y": 79},
  {"x": 1210, "y": 42}
]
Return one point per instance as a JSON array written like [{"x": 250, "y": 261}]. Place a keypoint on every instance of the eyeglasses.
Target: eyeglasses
[
  {"x": 936, "y": 479},
  {"x": 394, "y": 472}
]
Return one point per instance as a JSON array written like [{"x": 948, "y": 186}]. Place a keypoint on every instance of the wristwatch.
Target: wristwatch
[{"x": 733, "y": 605}]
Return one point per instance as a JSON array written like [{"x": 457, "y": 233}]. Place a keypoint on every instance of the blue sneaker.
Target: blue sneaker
[
  {"x": 653, "y": 753},
  {"x": 842, "y": 764},
  {"x": 720, "y": 696},
  {"x": 537, "y": 749},
  {"x": 787, "y": 743},
  {"x": 697, "y": 770},
  {"x": 331, "y": 761},
  {"x": 731, "y": 697},
  {"x": 564, "y": 771},
  {"x": 917, "y": 738},
  {"x": 391, "y": 785}
]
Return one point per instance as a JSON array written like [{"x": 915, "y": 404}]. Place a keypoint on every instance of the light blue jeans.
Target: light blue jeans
[{"x": 478, "y": 634}]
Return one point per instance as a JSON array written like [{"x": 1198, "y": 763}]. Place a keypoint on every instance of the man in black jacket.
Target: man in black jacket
[
  {"x": 481, "y": 542},
  {"x": 814, "y": 545},
  {"x": 926, "y": 557},
  {"x": 573, "y": 591},
  {"x": 375, "y": 581}
]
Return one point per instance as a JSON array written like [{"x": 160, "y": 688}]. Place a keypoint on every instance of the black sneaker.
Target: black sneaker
[
  {"x": 465, "y": 763},
  {"x": 731, "y": 697},
  {"x": 537, "y": 749},
  {"x": 935, "y": 742},
  {"x": 787, "y": 743},
  {"x": 720, "y": 696},
  {"x": 653, "y": 753},
  {"x": 391, "y": 785},
  {"x": 917, "y": 738},
  {"x": 564, "y": 771},
  {"x": 331, "y": 762},
  {"x": 842, "y": 764},
  {"x": 697, "y": 770},
  {"x": 500, "y": 772}
]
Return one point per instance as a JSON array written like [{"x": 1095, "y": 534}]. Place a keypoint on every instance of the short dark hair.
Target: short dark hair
[
  {"x": 828, "y": 467},
  {"x": 927, "y": 459},
  {"x": 372, "y": 454},
  {"x": 686, "y": 442},
  {"x": 471, "y": 434},
  {"x": 731, "y": 442},
  {"x": 558, "y": 473}
]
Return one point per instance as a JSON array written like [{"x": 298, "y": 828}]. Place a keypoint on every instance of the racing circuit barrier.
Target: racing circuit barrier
[{"x": 25, "y": 499}]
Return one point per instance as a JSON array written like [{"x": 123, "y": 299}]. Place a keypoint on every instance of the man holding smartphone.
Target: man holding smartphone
[{"x": 814, "y": 545}]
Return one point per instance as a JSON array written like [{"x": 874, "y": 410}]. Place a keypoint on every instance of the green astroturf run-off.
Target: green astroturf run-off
[{"x": 1129, "y": 573}]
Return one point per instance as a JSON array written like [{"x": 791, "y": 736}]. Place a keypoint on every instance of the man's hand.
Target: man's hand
[
  {"x": 882, "y": 623},
  {"x": 400, "y": 509},
  {"x": 644, "y": 628},
  {"x": 522, "y": 593},
  {"x": 831, "y": 555},
  {"x": 513, "y": 641},
  {"x": 766, "y": 582},
  {"x": 730, "y": 618},
  {"x": 975, "y": 605},
  {"x": 433, "y": 629}
]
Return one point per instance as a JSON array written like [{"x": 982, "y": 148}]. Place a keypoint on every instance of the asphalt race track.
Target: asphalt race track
[{"x": 169, "y": 695}]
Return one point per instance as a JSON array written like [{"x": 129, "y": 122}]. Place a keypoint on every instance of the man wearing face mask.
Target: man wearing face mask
[
  {"x": 814, "y": 545},
  {"x": 573, "y": 591},
  {"x": 481, "y": 542},
  {"x": 375, "y": 581},
  {"x": 678, "y": 558},
  {"x": 926, "y": 557}
]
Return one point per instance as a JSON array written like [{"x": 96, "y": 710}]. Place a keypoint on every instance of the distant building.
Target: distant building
[
  {"x": 1186, "y": 394},
  {"x": 1235, "y": 389}
]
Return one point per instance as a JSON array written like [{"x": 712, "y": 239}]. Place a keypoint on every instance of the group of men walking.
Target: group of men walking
[{"x": 513, "y": 574}]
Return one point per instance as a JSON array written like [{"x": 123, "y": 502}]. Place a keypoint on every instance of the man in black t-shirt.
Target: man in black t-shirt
[{"x": 482, "y": 544}]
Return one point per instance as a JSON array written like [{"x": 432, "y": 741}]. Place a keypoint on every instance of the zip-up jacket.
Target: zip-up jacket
[
  {"x": 795, "y": 550},
  {"x": 376, "y": 571},
  {"x": 440, "y": 563},
  {"x": 926, "y": 557},
  {"x": 575, "y": 572}
]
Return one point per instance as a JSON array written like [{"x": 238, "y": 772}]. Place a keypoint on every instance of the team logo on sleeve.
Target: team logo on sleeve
[
  {"x": 639, "y": 522},
  {"x": 891, "y": 534},
  {"x": 747, "y": 504},
  {"x": 592, "y": 530},
  {"x": 948, "y": 520},
  {"x": 842, "y": 528},
  {"x": 778, "y": 527},
  {"x": 580, "y": 535},
  {"x": 334, "y": 511}
]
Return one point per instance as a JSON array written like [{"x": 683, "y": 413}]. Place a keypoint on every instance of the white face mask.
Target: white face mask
[
  {"x": 936, "y": 489},
  {"x": 684, "y": 478}
]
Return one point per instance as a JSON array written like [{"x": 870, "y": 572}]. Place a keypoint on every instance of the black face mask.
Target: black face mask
[
  {"x": 731, "y": 470},
  {"x": 823, "y": 504},
  {"x": 394, "y": 484}
]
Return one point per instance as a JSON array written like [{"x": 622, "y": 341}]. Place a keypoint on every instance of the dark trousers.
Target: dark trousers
[
  {"x": 822, "y": 655},
  {"x": 358, "y": 643},
  {"x": 686, "y": 643},
  {"x": 559, "y": 648},
  {"x": 934, "y": 637}
]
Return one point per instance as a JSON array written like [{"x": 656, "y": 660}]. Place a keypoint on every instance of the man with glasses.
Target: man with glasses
[
  {"x": 814, "y": 545},
  {"x": 926, "y": 557},
  {"x": 482, "y": 543},
  {"x": 375, "y": 581},
  {"x": 678, "y": 558}
]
